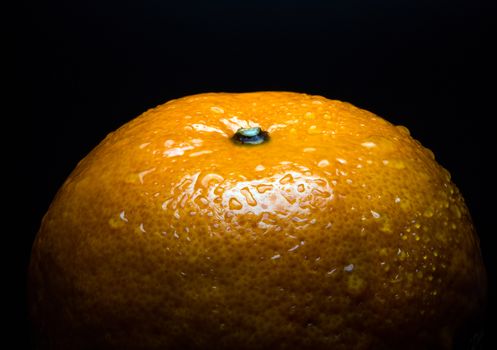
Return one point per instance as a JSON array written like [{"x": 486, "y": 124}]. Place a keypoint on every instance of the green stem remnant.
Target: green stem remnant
[{"x": 250, "y": 136}]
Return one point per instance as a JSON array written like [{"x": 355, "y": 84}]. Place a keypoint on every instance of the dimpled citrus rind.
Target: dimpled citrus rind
[{"x": 340, "y": 232}]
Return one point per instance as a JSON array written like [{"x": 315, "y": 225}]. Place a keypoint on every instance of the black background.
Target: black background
[{"x": 83, "y": 68}]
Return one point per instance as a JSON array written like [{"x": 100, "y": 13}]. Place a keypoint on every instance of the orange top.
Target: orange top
[{"x": 340, "y": 231}]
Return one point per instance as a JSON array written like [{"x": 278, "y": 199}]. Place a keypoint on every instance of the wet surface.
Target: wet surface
[{"x": 340, "y": 223}]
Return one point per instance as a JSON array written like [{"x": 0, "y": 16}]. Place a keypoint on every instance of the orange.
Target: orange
[{"x": 338, "y": 231}]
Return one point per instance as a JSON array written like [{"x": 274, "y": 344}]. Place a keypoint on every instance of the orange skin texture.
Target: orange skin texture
[{"x": 340, "y": 232}]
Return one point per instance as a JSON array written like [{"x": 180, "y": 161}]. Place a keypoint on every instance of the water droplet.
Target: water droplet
[
  {"x": 383, "y": 251},
  {"x": 402, "y": 254},
  {"x": 447, "y": 177},
  {"x": 199, "y": 153},
  {"x": 319, "y": 181},
  {"x": 290, "y": 198},
  {"x": 234, "y": 204},
  {"x": 176, "y": 152},
  {"x": 313, "y": 130},
  {"x": 210, "y": 178},
  {"x": 309, "y": 115},
  {"x": 322, "y": 194},
  {"x": 396, "y": 279},
  {"x": 216, "y": 109},
  {"x": 286, "y": 179},
  {"x": 394, "y": 163},
  {"x": 142, "y": 229},
  {"x": 184, "y": 184},
  {"x": 323, "y": 163},
  {"x": 165, "y": 204},
  {"x": 142, "y": 174},
  {"x": 259, "y": 167},
  {"x": 430, "y": 153},
  {"x": 205, "y": 128},
  {"x": 428, "y": 213},
  {"x": 122, "y": 216},
  {"x": 349, "y": 268},
  {"x": 403, "y": 129},
  {"x": 309, "y": 149},
  {"x": 263, "y": 188},
  {"x": 277, "y": 256},
  {"x": 341, "y": 161},
  {"x": 218, "y": 190},
  {"x": 248, "y": 196},
  {"x": 202, "y": 202},
  {"x": 368, "y": 144},
  {"x": 294, "y": 248},
  {"x": 375, "y": 214},
  {"x": 298, "y": 219},
  {"x": 168, "y": 143}
]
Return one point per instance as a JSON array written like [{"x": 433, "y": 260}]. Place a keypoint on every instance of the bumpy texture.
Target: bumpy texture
[{"x": 341, "y": 232}]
